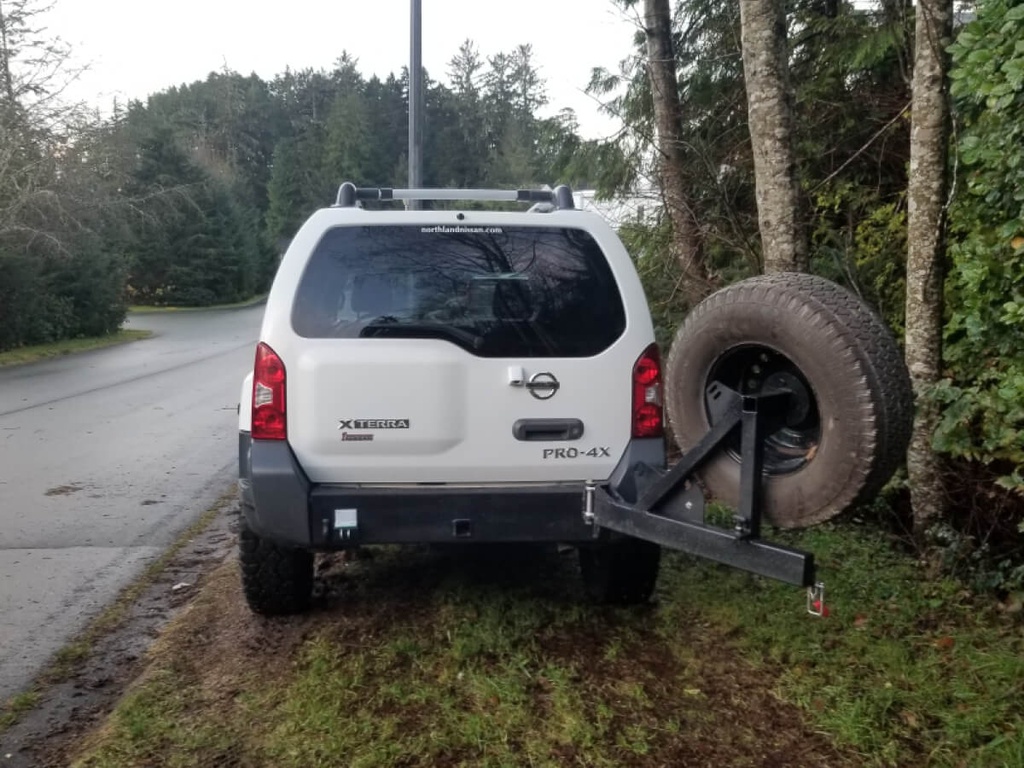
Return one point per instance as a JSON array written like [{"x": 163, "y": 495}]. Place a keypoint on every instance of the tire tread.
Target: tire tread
[{"x": 276, "y": 580}]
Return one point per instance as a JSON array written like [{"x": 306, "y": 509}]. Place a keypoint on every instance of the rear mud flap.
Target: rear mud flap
[{"x": 668, "y": 508}]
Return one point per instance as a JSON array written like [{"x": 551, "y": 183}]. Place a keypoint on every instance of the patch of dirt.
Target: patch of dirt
[
  {"x": 219, "y": 643},
  {"x": 64, "y": 490},
  {"x": 726, "y": 711},
  {"x": 72, "y": 707}
]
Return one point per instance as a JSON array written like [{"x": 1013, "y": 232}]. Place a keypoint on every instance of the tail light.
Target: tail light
[
  {"x": 268, "y": 416},
  {"x": 648, "y": 414}
]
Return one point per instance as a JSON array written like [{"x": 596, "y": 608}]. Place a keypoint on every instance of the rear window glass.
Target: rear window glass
[{"x": 512, "y": 292}]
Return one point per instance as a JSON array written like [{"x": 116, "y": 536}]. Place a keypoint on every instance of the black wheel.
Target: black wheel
[
  {"x": 621, "y": 572},
  {"x": 276, "y": 580},
  {"x": 849, "y": 422}
]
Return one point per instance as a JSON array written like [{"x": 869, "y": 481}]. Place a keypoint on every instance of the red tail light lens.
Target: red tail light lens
[
  {"x": 648, "y": 414},
  {"x": 268, "y": 416}
]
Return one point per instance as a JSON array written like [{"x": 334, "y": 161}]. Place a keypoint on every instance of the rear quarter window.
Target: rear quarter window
[{"x": 496, "y": 292}]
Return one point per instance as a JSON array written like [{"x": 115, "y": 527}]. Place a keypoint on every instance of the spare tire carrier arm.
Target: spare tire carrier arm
[{"x": 667, "y": 507}]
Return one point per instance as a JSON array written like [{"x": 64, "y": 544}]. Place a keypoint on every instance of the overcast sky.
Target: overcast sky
[{"x": 137, "y": 47}]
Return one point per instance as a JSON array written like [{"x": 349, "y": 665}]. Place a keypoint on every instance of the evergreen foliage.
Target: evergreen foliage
[
  {"x": 984, "y": 393},
  {"x": 189, "y": 197}
]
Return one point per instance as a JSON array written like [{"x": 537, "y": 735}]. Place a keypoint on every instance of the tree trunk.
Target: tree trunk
[
  {"x": 927, "y": 190},
  {"x": 770, "y": 116},
  {"x": 686, "y": 235},
  {"x": 5, "y": 61}
]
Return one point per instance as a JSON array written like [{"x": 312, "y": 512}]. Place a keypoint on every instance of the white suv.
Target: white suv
[{"x": 446, "y": 376}]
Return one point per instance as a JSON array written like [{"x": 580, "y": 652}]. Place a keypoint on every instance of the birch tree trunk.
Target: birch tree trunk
[
  {"x": 770, "y": 116},
  {"x": 927, "y": 190},
  {"x": 686, "y": 234}
]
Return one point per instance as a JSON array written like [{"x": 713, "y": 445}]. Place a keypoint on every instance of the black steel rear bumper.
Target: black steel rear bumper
[
  {"x": 280, "y": 503},
  {"x": 546, "y": 513}
]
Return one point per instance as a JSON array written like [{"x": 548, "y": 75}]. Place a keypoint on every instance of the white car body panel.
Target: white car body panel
[
  {"x": 245, "y": 405},
  {"x": 458, "y": 409}
]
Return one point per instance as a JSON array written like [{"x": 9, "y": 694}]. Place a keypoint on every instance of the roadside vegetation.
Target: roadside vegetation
[
  {"x": 33, "y": 352},
  {"x": 18, "y": 705},
  {"x": 419, "y": 658},
  {"x": 146, "y": 309}
]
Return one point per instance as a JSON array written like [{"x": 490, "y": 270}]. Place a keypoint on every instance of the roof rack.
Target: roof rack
[{"x": 560, "y": 197}]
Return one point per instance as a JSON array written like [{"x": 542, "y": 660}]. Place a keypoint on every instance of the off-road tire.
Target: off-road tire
[
  {"x": 620, "y": 572},
  {"x": 276, "y": 580},
  {"x": 853, "y": 367}
]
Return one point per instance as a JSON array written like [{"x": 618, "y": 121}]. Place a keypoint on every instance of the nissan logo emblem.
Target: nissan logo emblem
[{"x": 543, "y": 386}]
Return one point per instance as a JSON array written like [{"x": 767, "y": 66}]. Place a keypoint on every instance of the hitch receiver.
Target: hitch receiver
[{"x": 667, "y": 507}]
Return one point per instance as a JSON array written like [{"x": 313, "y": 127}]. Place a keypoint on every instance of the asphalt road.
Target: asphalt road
[{"x": 105, "y": 457}]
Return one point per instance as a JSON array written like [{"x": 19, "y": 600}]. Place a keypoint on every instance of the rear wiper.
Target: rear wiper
[{"x": 402, "y": 330}]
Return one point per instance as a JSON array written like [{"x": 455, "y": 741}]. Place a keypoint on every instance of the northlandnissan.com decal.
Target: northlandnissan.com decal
[
  {"x": 367, "y": 424},
  {"x": 444, "y": 229}
]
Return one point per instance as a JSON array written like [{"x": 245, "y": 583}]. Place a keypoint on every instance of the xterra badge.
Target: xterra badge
[{"x": 373, "y": 424}]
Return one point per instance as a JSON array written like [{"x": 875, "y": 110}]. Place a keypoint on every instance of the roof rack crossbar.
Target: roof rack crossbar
[{"x": 561, "y": 196}]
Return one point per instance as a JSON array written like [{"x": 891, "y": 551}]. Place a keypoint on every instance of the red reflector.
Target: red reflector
[
  {"x": 647, "y": 370},
  {"x": 269, "y": 369},
  {"x": 648, "y": 415},
  {"x": 268, "y": 403}
]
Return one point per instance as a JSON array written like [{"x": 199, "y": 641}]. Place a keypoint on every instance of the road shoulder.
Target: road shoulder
[{"x": 85, "y": 679}]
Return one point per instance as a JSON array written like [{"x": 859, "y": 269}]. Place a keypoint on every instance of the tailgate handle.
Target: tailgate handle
[{"x": 547, "y": 429}]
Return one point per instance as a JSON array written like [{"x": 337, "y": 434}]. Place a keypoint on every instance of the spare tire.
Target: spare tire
[{"x": 849, "y": 424}]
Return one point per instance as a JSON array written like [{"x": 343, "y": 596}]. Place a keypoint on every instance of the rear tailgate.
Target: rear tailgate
[
  {"x": 461, "y": 354},
  {"x": 416, "y": 411}
]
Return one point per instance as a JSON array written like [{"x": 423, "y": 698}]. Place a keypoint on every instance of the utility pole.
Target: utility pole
[{"x": 416, "y": 101}]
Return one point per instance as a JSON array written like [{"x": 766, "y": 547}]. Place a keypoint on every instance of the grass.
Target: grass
[
  {"x": 144, "y": 309},
  {"x": 418, "y": 663},
  {"x": 36, "y": 352},
  {"x": 905, "y": 670},
  {"x": 16, "y": 707},
  {"x": 415, "y": 661},
  {"x": 31, "y": 354}
]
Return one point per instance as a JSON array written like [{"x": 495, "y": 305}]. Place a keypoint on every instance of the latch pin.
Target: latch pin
[
  {"x": 816, "y": 600},
  {"x": 588, "y": 504}
]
